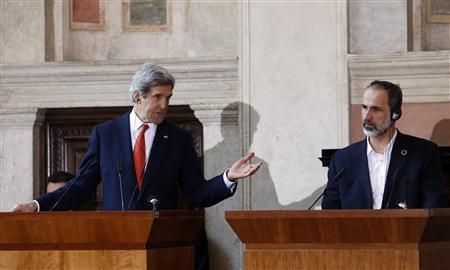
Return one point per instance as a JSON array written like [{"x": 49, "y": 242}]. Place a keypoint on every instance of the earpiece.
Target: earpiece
[{"x": 396, "y": 114}]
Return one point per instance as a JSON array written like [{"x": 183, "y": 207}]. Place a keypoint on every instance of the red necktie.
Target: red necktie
[{"x": 139, "y": 155}]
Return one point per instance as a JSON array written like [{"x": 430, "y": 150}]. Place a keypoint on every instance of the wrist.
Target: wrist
[
  {"x": 228, "y": 176},
  {"x": 35, "y": 206}
]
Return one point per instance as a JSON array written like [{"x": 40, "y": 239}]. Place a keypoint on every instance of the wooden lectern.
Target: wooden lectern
[
  {"x": 99, "y": 240},
  {"x": 344, "y": 239}
]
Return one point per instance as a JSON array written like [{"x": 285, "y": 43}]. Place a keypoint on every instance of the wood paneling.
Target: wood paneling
[
  {"x": 99, "y": 240},
  {"x": 344, "y": 239},
  {"x": 74, "y": 259},
  {"x": 168, "y": 258},
  {"x": 323, "y": 259}
]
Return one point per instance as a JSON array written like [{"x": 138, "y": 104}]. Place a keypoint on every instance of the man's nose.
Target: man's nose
[
  {"x": 164, "y": 104},
  {"x": 367, "y": 115}
]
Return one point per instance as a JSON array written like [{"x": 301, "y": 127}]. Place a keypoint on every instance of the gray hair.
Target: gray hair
[{"x": 147, "y": 76}]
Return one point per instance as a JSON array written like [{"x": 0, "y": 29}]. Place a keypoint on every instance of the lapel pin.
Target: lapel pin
[
  {"x": 165, "y": 137},
  {"x": 404, "y": 152}
]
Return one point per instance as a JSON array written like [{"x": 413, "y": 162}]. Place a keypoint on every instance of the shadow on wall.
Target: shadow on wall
[
  {"x": 263, "y": 193},
  {"x": 441, "y": 133}
]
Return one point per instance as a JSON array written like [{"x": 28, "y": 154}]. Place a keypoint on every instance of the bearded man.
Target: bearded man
[{"x": 388, "y": 169}]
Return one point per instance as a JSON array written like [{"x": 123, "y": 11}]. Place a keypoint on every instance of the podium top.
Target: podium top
[
  {"x": 341, "y": 226},
  {"x": 98, "y": 230}
]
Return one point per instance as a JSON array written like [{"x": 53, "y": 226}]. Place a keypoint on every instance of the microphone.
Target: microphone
[
  {"x": 80, "y": 172},
  {"x": 394, "y": 181},
  {"x": 403, "y": 205},
  {"x": 152, "y": 199},
  {"x": 119, "y": 172},
  {"x": 336, "y": 177}
]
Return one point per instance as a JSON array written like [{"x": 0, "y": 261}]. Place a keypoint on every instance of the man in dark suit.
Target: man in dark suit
[
  {"x": 388, "y": 169},
  {"x": 140, "y": 157}
]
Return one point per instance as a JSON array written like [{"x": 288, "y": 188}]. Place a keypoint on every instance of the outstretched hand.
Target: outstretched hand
[{"x": 242, "y": 168}]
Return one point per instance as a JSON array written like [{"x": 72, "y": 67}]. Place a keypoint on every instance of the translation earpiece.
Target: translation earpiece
[{"x": 396, "y": 115}]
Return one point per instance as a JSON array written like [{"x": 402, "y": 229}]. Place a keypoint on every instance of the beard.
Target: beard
[{"x": 372, "y": 130}]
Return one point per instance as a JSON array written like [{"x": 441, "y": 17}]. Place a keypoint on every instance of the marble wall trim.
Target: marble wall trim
[
  {"x": 68, "y": 84},
  {"x": 423, "y": 76},
  {"x": 20, "y": 117}
]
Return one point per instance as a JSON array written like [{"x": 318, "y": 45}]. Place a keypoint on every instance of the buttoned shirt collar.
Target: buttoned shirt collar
[{"x": 387, "y": 149}]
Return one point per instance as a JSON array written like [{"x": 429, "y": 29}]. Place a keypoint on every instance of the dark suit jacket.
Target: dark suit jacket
[
  {"x": 172, "y": 163},
  {"x": 414, "y": 177}
]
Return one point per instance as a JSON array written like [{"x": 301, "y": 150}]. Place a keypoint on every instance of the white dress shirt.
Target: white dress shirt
[
  {"x": 378, "y": 168},
  {"x": 136, "y": 126}
]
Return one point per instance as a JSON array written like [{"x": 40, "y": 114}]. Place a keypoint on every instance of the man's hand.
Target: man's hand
[
  {"x": 26, "y": 207},
  {"x": 242, "y": 168}
]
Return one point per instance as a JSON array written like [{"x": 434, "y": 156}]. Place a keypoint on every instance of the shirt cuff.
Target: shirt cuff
[
  {"x": 230, "y": 185},
  {"x": 38, "y": 207}
]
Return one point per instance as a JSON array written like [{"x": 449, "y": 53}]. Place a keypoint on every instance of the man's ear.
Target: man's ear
[{"x": 137, "y": 97}]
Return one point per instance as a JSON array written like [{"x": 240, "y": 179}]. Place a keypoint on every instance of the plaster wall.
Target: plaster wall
[
  {"x": 378, "y": 26},
  {"x": 199, "y": 29},
  {"x": 22, "y": 31},
  {"x": 296, "y": 55},
  {"x": 437, "y": 36}
]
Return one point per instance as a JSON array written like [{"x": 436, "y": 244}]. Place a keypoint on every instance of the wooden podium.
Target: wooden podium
[
  {"x": 99, "y": 240},
  {"x": 344, "y": 239}
]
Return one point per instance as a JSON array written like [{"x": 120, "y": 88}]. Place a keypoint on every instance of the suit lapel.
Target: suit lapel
[
  {"x": 398, "y": 157},
  {"x": 156, "y": 156},
  {"x": 124, "y": 154},
  {"x": 363, "y": 174},
  {"x": 124, "y": 142}
]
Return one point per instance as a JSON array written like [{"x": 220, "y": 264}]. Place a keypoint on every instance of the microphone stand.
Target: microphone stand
[
  {"x": 119, "y": 172},
  {"x": 336, "y": 177}
]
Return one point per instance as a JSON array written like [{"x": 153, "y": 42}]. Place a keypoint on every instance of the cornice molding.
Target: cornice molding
[
  {"x": 206, "y": 83},
  {"x": 217, "y": 114},
  {"x": 423, "y": 76},
  {"x": 20, "y": 117}
]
